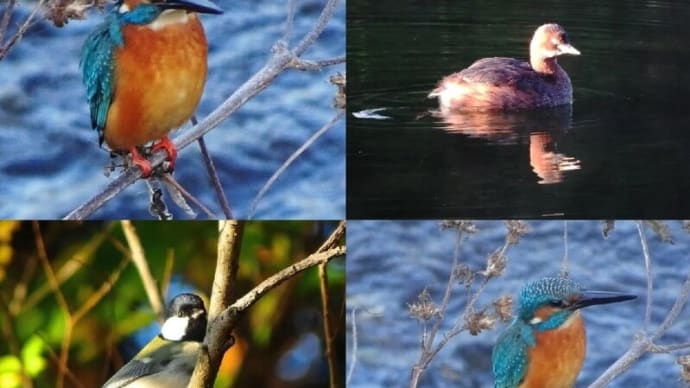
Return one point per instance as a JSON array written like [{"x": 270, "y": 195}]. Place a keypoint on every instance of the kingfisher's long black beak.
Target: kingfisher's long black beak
[
  {"x": 200, "y": 6},
  {"x": 590, "y": 298}
]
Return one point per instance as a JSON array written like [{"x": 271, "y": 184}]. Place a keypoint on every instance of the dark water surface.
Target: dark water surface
[
  {"x": 50, "y": 161},
  {"x": 390, "y": 263},
  {"x": 621, "y": 152}
]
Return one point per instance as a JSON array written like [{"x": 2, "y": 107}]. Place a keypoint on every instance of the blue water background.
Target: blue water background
[
  {"x": 390, "y": 263},
  {"x": 50, "y": 161}
]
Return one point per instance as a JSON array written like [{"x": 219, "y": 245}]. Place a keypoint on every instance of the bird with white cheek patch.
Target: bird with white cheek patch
[{"x": 169, "y": 358}]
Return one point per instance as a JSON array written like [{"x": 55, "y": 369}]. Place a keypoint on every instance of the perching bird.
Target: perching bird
[
  {"x": 144, "y": 71},
  {"x": 169, "y": 358},
  {"x": 545, "y": 344}
]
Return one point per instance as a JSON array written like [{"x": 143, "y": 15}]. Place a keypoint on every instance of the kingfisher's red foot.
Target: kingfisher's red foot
[
  {"x": 169, "y": 148},
  {"x": 142, "y": 162}
]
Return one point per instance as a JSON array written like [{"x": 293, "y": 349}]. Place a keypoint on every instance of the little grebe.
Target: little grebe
[{"x": 511, "y": 84}]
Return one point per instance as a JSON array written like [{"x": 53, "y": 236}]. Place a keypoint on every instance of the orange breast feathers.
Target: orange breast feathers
[
  {"x": 159, "y": 78},
  {"x": 558, "y": 356}
]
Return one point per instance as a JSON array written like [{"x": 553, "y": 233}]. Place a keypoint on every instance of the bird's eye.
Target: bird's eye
[
  {"x": 564, "y": 37},
  {"x": 556, "y": 303}
]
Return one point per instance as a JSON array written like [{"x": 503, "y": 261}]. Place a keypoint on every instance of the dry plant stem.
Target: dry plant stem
[
  {"x": 54, "y": 357},
  {"x": 167, "y": 271},
  {"x": 5, "y": 47},
  {"x": 292, "y": 6},
  {"x": 213, "y": 174},
  {"x": 219, "y": 328},
  {"x": 427, "y": 342},
  {"x": 642, "y": 343},
  {"x": 215, "y": 181},
  {"x": 675, "y": 310},
  {"x": 648, "y": 271},
  {"x": 330, "y": 356},
  {"x": 292, "y": 158},
  {"x": 5, "y": 22},
  {"x": 71, "y": 319},
  {"x": 281, "y": 59},
  {"x": 329, "y": 62},
  {"x": 171, "y": 181},
  {"x": 248, "y": 299},
  {"x": 52, "y": 280},
  {"x": 321, "y": 24},
  {"x": 429, "y": 351},
  {"x": 10, "y": 336},
  {"x": 334, "y": 238},
  {"x": 353, "y": 357},
  {"x": 139, "y": 260},
  {"x": 82, "y": 257}
]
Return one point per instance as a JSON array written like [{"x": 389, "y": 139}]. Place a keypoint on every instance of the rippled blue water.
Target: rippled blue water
[
  {"x": 49, "y": 157},
  {"x": 390, "y": 263}
]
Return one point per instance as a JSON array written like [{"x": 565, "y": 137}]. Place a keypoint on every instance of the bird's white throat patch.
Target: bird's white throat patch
[
  {"x": 174, "y": 328},
  {"x": 168, "y": 17}
]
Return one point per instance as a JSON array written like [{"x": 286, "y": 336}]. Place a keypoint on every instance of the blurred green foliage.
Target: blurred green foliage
[{"x": 85, "y": 256}]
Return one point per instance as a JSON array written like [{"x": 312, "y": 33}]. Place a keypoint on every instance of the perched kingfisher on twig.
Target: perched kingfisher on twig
[
  {"x": 545, "y": 344},
  {"x": 144, "y": 71}
]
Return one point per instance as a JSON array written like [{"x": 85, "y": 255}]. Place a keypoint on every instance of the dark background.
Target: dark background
[{"x": 628, "y": 132}]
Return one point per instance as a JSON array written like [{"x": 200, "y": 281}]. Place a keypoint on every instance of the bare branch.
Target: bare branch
[
  {"x": 327, "y": 331},
  {"x": 216, "y": 342},
  {"x": 648, "y": 271},
  {"x": 229, "y": 246},
  {"x": 168, "y": 179},
  {"x": 311, "y": 37},
  {"x": 140, "y": 262},
  {"x": 353, "y": 359},
  {"x": 220, "y": 327},
  {"x": 292, "y": 158},
  {"x": 213, "y": 175}
]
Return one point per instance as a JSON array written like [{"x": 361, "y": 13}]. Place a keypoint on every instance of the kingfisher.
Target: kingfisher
[
  {"x": 544, "y": 346},
  {"x": 144, "y": 70}
]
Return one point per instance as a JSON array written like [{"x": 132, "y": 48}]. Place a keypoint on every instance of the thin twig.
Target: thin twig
[
  {"x": 648, "y": 272},
  {"x": 95, "y": 297},
  {"x": 52, "y": 280},
  {"x": 330, "y": 62},
  {"x": 51, "y": 353},
  {"x": 248, "y": 299},
  {"x": 328, "y": 334},
  {"x": 642, "y": 342},
  {"x": 140, "y": 262},
  {"x": 321, "y": 24},
  {"x": 213, "y": 174},
  {"x": 9, "y": 8},
  {"x": 353, "y": 357},
  {"x": 292, "y": 158},
  {"x": 215, "y": 181},
  {"x": 334, "y": 238},
  {"x": 174, "y": 183},
  {"x": 290, "y": 21},
  {"x": 427, "y": 344},
  {"x": 677, "y": 308},
  {"x": 218, "y": 330},
  {"x": 4, "y": 49}
]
